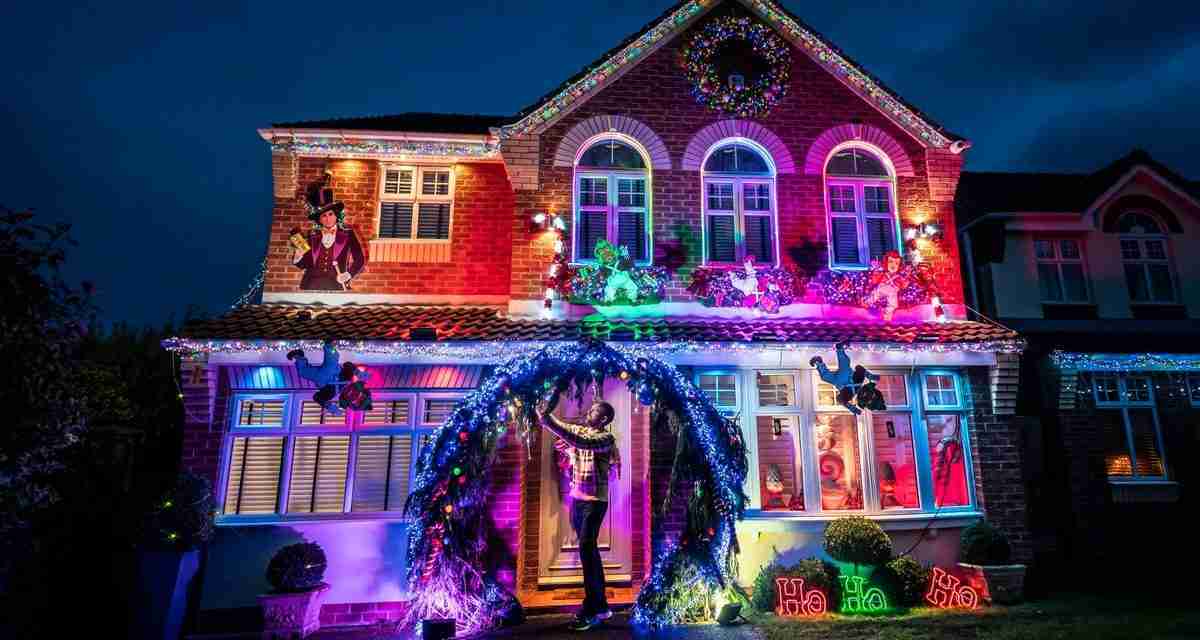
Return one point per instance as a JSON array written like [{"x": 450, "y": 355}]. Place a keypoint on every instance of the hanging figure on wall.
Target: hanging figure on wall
[
  {"x": 339, "y": 385},
  {"x": 330, "y": 255},
  {"x": 854, "y": 386}
]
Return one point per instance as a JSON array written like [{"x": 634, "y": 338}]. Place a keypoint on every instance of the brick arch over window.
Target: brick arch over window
[
  {"x": 569, "y": 147},
  {"x": 693, "y": 157},
  {"x": 1126, "y": 204},
  {"x": 818, "y": 154}
]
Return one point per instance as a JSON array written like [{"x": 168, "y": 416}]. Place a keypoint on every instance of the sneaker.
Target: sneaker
[
  {"x": 604, "y": 615},
  {"x": 813, "y": 362},
  {"x": 295, "y": 353},
  {"x": 582, "y": 624}
]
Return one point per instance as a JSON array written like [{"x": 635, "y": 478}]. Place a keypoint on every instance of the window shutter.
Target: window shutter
[
  {"x": 1145, "y": 443},
  {"x": 318, "y": 482},
  {"x": 593, "y": 227},
  {"x": 398, "y": 182},
  {"x": 261, "y": 413},
  {"x": 381, "y": 473},
  {"x": 395, "y": 220},
  {"x": 631, "y": 233},
  {"x": 881, "y": 237},
  {"x": 253, "y": 478},
  {"x": 759, "y": 239},
  {"x": 438, "y": 409},
  {"x": 388, "y": 412},
  {"x": 845, "y": 241},
  {"x": 721, "y": 239},
  {"x": 433, "y": 221}
]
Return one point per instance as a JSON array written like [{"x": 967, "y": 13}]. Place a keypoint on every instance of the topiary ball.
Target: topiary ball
[
  {"x": 297, "y": 567},
  {"x": 904, "y": 580},
  {"x": 857, "y": 540},
  {"x": 984, "y": 545}
]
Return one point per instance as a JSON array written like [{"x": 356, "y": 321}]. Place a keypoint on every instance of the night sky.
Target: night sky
[{"x": 137, "y": 123}]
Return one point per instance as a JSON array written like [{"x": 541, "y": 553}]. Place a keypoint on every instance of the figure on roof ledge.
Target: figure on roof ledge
[
  {"x": 855, "y": 387},
  {"x": 331, "y": 255},
  {"x": 339, "y": 385},
  {"x": 885, "y": 283}
]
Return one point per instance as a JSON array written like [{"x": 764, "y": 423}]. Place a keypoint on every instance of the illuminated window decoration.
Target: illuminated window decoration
[
  {"x": 614, "y": 279},
  {"x": 446, "y": 577},
  {"x": 1171, "y": 362},
  {"x": 765, "y": 288},
  {"x": 793, "y": 601},
  {"x": 948, "y": 592},
  {"x": 883, "y": 288},
  {"x": 722, "y": 84},
  {"x": 855, "y": 599}
]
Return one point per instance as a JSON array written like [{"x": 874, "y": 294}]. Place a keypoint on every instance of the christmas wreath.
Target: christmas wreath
[{"x": 738, "y": 65}]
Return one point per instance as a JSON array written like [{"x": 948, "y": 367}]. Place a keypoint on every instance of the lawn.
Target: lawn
[{"x": 1062, "y": 618}]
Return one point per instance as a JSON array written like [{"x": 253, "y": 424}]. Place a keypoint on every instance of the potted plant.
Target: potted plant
[
  {"x": 857, "y": 541},
  {"x": 168, "y": 557},
  {"x": 293, "y": 607},
  {"x": 984, "y": 559}
]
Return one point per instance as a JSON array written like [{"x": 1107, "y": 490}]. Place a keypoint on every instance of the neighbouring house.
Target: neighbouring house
[
  {"x": 724, "y": 189},
  {"x": 1098, "y": 272}
]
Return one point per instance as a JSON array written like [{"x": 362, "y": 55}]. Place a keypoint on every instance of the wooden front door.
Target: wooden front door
[{"x": 558, "y": 551}]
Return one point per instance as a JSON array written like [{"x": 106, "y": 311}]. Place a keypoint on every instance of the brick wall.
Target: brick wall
[
  {"x": 205, "y": 402},
  {"x": 480, "y": 249},
  {"x": 656, "y": 93},
  {"x": 996, "y": 446}
]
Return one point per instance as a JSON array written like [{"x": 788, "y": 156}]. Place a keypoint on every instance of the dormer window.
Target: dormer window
[
  {"x": 612, "y": 199},
  {"x": 739, "y": 205},
  {"x": 1146, "y": 260},
  {"x": 860, "y": 191}
]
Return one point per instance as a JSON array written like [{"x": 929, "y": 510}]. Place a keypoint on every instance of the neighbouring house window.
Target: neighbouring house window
[
  {"x": 1128, "y": 419},
  {"x": 612, "y": 200},
  {"x": 860, "y": 200},
  {"x": 416, "y": 203},
  {"x": 1061, "y": 276},
  {"x": 287, "y": 456},
  {"x": 739, "y": 206},
  {"x": 1145, "y": 259}
]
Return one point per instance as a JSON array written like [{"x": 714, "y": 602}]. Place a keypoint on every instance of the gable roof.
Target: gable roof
[
  {"x": 983, "y": 192},
  {"x": 678, "y": 19}
]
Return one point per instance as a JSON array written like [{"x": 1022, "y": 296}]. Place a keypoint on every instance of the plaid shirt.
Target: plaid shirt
[{"x": 593, "y": 455}]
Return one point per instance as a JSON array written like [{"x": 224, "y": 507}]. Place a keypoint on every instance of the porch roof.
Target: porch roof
[{"x": 409, "y": 323}]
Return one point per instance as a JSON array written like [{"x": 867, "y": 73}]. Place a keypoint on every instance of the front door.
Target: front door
[{"x": 558, "y": 551}]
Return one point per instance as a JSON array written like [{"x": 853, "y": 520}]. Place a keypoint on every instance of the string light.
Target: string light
[
  {"x": 255, "y": 288},
  {"x": 325, "y": 147},
  {"x": 1168, "y": 362},
  {"x": 747, "y": 100}
]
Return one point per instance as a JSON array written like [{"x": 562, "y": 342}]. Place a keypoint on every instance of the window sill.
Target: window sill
[
  {"x": 1143, "y": 491},
  {"x": 276, "y": 519},
  {"x": 892, "y": 522},
  {"x": 416, "y": 251}
]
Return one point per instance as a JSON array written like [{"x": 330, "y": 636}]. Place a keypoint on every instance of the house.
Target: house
[
  {"x": 724, "y": 189},
  {"x": 1111, "y": 374}
]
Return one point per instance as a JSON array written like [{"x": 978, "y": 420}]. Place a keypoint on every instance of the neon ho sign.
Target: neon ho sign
[
  {"x": 856, "y": 600},
  {"x": 792, "y": 600},
  {"x": 948, "y": 592}
]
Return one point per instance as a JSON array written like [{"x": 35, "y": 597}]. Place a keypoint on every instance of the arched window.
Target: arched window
[
  {"x": 611, "y": 201},
  {"x": 1145, "y": 259},
  {"x": 861, "y": 200},
  {"x": 739, "y": 205}
]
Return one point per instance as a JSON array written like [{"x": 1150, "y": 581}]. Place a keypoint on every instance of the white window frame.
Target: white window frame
[
  {"x": 415, "y": 199},
  {"x": 1057, "y": 261},
  {"x": 739, "y": 213},
  {"x": 1192, "y": 384},
  {"x": 860, "y": 214},
  {"x": 1144, "y": 261},
  {"x": 612, "y": 208},
  {"x": 1124, "y": 403},
  {"x": 292, "y": 429},
  {"x": 727, "y": 410}
]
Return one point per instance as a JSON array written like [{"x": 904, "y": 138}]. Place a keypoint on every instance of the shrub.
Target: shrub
[
  {"x": 904, "y": 580},
  {"x": 296, "y": 567},
  {"x": 984, "y": 545},
  {"x": 181, "y": 520},
  {"x": 857, "y": 540},
  {"x": 817, "y": 574}
]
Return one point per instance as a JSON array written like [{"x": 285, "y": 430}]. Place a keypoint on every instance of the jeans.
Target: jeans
[{"x": 586, "y": 518}]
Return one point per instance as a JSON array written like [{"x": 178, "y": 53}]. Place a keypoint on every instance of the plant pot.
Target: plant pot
[
  {"x": 1000, "y": 584},
  {"x": 161, "y": 592},
  {"x": 292, "y": 615}
]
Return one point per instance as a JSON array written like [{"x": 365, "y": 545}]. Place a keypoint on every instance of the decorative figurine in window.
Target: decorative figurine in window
[
  {"x": 949, "y": 470},
  {"x": 773, "y": 489},
  {"x": 857, "y": 384},
  {"x": 884, "y": 284},
  {"x": 617, "y": 263},
  {"x": 331, "y": 255}
]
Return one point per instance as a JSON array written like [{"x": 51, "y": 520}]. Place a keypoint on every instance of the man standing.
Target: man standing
[
  {"x": 331, "y": 255},
  {"x": 592, "y": 449}
]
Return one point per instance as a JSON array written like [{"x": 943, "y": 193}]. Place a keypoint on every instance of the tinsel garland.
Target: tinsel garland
[
  {"x": 448, "y": 504},
  {"x": 853, "y": 288},
  {"x": 757, "y": 95},
  {"x": 588, "y": 282},
  {"x": 776, "y": 288}
]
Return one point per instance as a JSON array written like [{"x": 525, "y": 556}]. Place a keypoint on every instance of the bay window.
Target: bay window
[
  {"x": 739, "y": 206},
  {"x": 612, "y": 201},
  {"x": 815, "y": 457},
  {"x": 286, "y": 457},
  {"x": 860, "y": 200}
]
